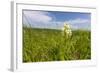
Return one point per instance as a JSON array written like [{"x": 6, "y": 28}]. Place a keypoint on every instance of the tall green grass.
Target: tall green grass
[{"x": 41, "y": 45}]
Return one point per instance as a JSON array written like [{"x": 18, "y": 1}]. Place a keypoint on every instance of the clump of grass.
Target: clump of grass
[{"x": 50, "y": 45}]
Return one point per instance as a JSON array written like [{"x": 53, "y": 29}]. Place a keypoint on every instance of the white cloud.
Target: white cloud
[
  {"x": 78, "y": 21},
  {"x": 37, "y": 16}
]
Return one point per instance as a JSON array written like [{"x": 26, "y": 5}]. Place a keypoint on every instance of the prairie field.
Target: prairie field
[{"x": 42, "y": 45}]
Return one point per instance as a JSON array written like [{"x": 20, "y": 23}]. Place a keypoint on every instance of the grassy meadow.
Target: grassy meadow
[{"x": 41, "y": 45}]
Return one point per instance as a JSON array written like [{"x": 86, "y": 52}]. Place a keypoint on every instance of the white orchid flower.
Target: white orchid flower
[{"x": 67, "y": 30}]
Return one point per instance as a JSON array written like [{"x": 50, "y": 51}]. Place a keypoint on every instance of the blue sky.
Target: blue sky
[{"x": 55, "y": 19}]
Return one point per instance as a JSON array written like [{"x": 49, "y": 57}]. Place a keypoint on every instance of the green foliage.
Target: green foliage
[{"x": 41, "y": 45}]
